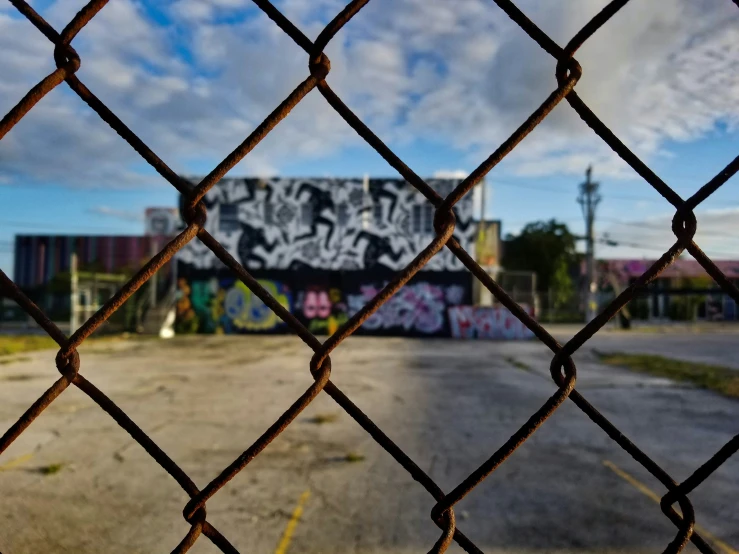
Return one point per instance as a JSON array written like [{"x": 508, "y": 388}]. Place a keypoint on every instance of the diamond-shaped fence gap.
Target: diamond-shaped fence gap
[
  {"x": 155, "y": 401},
  {"x": 552, "y": 28},
  {"x": 681, "y": 113},
  {"x": 148, "y": 87},
  {"x": 566, "y": 437},
  {"x": 403, "y": 525},
  {"x": 427, "y": 102},
  {"x": 338, "y": 450},
  {"x": 551, "y": 499},
  {"x": 310, "y": 136},
  {"x": 706, "y": 296},
  {"x": 29, "y": 55},
  {"x": 39, "y": 146},
  {"x": 189, "y": 101},
  {"x": 75, "y": 424},
  {"x": 573, "y": 437},
  {"x": 201, "y": 436},
  {"x": 711, "y": 497},
  {"x": 331, "y": 450},
  {"x": 653, "y": 452},
  {"x": 426, "y": 385},
  {"x": 712, "y": 235},
  {"x": 29, "y": 375}
]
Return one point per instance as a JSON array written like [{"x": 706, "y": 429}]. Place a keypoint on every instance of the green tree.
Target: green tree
[{"x": 548, "y": 249}]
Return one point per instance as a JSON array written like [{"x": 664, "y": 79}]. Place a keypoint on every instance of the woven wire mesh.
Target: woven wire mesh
[{"x": 563, "y": 370}]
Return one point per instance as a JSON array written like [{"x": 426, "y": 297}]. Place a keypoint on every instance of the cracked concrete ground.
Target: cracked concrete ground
[{"x": 75, "y": 482}]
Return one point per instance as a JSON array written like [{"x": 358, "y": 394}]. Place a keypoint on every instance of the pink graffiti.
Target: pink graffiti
[
  {"x": 469, "y": 322},
  {"x": 419, "y": 307},
  {"x": 316, "y": 304}
]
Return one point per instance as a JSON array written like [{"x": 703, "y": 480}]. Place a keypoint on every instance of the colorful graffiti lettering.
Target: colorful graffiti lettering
[
  {"x": 454, "y": 294},
  {"x": 469, "y": 322},
  {"x": 324, "y": 310},
  {"x": 210, "y": 302},
  {"x": 187, "y": 319},
  {"x": 217, "y": 312},
  {"x": 416, "y": 307},
  {"x": 248, "y": 312},
  {"x": 327, "y": 326},
  {"x": 316, "y": 304}
]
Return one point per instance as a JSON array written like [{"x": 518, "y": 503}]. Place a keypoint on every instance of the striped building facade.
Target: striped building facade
[{"x": 38, "y": 258}]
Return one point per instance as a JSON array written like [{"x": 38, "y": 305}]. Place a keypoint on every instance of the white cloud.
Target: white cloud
[
  {"x": 460, "y": 74},
  {"x": 116, "y": 213},
  {"x": 199, "y": 10},
  {"x": 451, "y": 174}
]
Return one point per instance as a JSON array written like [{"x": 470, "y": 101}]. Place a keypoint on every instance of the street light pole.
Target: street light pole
[{"x": 589, "y": 199}]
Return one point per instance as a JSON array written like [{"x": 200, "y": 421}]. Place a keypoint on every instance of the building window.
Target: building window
[
  {"x": 228, "y": 220},
  {"x": 416, "y": 220},
  {"x": 342, "y": 214},
  {"x": 422, "y": 219},
  {"x": 306, "y": 215},
  {"x": 269, "y": 213},
  {"x": 428, "y": 219},
  {"x": 377, "y": 214}
]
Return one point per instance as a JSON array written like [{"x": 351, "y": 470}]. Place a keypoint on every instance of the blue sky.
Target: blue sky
[{"x": 442, "y": 85}]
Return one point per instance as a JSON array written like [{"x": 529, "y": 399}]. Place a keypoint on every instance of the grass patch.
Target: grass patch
[
  {"x": 719, "y": 379},
  {"x": 6, "y": 361},
  {"x": 17, "y": 377},
  {"x": 353, "y": 457},
  {"x": 518, "y": 364},
  {"x": 320, "y": 419},
  {"x": 50, "y": 469},
  {"x": 15, "y": 344}
]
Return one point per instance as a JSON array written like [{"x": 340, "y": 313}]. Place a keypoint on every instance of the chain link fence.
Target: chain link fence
[{"x": 563, "y": 370}]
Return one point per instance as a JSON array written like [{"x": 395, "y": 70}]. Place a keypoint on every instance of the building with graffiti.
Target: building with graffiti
[
  {"x": 683, "y": 291},
  {"x": 323, "y": 248}
]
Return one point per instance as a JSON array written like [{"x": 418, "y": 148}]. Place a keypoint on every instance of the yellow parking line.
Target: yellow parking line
[
  {"x": 646, "y": 491},
  {"x": 16, "y": 462},
  {"x": 287, "y": 536}
]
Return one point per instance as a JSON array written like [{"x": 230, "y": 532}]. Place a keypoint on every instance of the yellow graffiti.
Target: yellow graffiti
[
  {"x": 217, "y": 310},
  {"x": 188, "y": 320},
  {"x": 327, "y": 326},
  {"x": 248, "y": 311},
  {"x": 184, "y": 307},
  {"x": 334, "y": 295}
]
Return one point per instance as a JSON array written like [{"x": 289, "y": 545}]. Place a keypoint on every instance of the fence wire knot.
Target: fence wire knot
[
  {"x": 68, "y": 363},
  {"x": 563, "y": 371}
]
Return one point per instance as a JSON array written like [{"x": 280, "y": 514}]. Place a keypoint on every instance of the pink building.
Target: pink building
[{"x": 682, "y": 291}]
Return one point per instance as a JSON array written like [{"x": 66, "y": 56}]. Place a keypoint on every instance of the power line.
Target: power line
[
  {"x": 661, "y": 228},
  {"x": 606, "y": 195},
  {"x": 616, "y": 243},
  {"x": 562, "y": 191},
  {"x": 42, "y": 225}
]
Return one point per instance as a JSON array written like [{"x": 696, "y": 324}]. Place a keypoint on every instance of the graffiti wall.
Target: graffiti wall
[
  {"x": 487, "y": 322},
  {"x": 226, "y": 305},
  {"x": 419, "y": 308},
  {"x": 328, "y": 224},
  {"x": 321, "y": 300}
]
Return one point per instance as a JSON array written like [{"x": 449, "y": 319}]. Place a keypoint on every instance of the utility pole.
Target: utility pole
[{"x": 589, "y": 199}]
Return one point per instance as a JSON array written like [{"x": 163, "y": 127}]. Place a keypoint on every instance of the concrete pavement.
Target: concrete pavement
[{"x": 76, "y": 482}]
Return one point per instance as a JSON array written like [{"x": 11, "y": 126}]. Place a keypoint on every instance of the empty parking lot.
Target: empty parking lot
[{"x": 76, "y": 482}]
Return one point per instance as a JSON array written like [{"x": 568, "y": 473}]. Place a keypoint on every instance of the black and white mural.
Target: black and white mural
[{"x": 331, "y": 224}]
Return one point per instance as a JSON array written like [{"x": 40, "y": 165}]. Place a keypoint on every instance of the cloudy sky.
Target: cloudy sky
[{"x": 443, "y": 82}]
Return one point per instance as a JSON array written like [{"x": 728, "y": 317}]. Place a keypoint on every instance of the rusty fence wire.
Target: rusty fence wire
[{"x": 563, "y": 371}]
